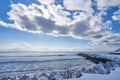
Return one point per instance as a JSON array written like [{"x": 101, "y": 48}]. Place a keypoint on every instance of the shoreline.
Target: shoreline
[{"x": 104, "y": 65}]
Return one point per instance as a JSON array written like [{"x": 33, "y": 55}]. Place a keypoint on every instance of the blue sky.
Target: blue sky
[{"x": 59, "y": 25}]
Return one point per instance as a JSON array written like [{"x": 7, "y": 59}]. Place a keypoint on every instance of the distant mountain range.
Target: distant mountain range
[{"x": 117, "y": 50}]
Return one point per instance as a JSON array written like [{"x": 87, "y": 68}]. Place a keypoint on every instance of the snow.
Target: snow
[
  {"x": 100, "y": 69},
  {"x": 43, "y": 78},
  {"x": 37, "y": 65},
  {"x": 115, "y": 75},
  {"x": 57, "y": 77},
  {"x": 35, "y": 58},
  {"x": 55, "y": 67},
  {"x": 107, "y": 56}
]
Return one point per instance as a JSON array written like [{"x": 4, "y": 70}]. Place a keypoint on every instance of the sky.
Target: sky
[{"x": 59, "y": 25}]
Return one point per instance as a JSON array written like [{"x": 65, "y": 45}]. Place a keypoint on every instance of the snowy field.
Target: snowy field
[
  {"x": 60, "y": 66},
  {"x": 115, "y": 75},
  {"x": 17, "y": 65}
]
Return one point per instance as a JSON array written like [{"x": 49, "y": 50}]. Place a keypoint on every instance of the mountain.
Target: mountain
[{"x": 117, "y": 50}]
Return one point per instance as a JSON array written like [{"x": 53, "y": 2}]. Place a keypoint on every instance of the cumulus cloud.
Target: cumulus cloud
[
  {"x": 105, "y": 4},
  {"x": 46, "y": 2},
  {"x": 52, "y": 19},
  {"x": 84, "y": 5},
  {"x": 116, "y": 15},
  {"x": 111, "y": 39}
]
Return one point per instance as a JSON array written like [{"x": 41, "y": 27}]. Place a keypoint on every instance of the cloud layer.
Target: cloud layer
[{"x": 76, "y": 18}]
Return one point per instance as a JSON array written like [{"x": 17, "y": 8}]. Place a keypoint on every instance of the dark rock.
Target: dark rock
[
  {"x": 92, "y": 70},
  {"x": 7, "y": 78},
  {"x": 50, "y": 77},
  {"x": 34, "y": 78},
  {"x": 78, "y": 74},
  {"x": 57, "y": 76},
  {"x": 44, "y": 74},
  {"x": 115, "y": 64},
  {"x": 100, "y": 69},
  {"x": 4, "y": 78},
  {"x": 25, "y": 77},
  {"x": 61, "y": 73},
  {"x": 66, "y": 75},
  {"x": 70, "y": 73},
  {"x": 108, "y": 72},
  {"x": 117, "y": 50},
  {"x": 93, "y": 58},
  {"x": 43, "y": 78},
  {"x": 108, "y": 65}
]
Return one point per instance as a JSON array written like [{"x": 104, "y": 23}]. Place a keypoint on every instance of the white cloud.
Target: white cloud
[
  {"x": 105, "y": 4},
  {"x": 109, "y": 39},
  {"x": 15, "y": 47},
  {"x": 84, "y": 5},
  {"x": 52, "y": 19},
  {"x": 36, "y": 47},
  {"x": 46, "y": 2},
  {"x": 116, "y": 15},
  {"x": 2, "y": 23}
]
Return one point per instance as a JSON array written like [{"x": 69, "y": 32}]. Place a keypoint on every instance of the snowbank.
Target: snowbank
[
  {"x": 107, "y": 56},
  {"x": 115, "y": 75}
]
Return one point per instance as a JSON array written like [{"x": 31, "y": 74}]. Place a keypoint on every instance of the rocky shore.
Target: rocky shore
[
  {"x": 69, "y": 74},
  {"x": 104, "y": 65},
  {"x": 100, "y": 68}
]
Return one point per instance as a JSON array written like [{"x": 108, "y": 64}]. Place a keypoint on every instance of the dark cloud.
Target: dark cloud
[
  {"x": 97, "y": 36},
  {"x": 45, "y": 25},
  {"x": 26, "y": 23},
  {"x": 80, "y": 28},
  {"x": 63, "y": 30}
]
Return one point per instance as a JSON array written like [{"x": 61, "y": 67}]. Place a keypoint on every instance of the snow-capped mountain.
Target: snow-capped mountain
[{"x": 117, "y": 50}]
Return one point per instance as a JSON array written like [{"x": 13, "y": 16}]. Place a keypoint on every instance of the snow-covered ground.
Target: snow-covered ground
[
  {"x": 71, "y": 67},
  {"x": 36, "y": 58},
  {"x": 37, "y": 65},
  {"x": 107, "y": 56},
  {"x": 115, "y": 75}
]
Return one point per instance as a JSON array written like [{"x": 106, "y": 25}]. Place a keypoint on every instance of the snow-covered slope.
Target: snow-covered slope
[{"x": 115, "y": 75}]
